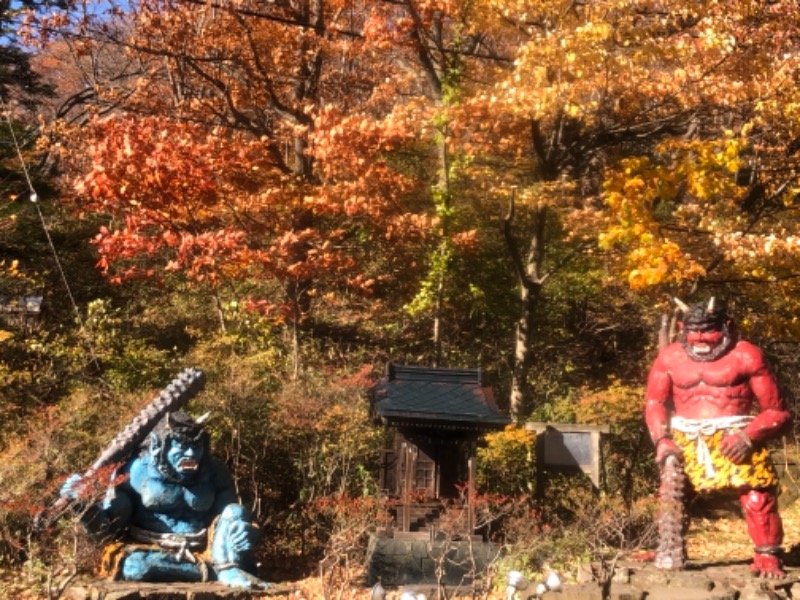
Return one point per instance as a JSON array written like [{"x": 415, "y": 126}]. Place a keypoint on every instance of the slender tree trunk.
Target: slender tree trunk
[
  {"x": 437, "y": 322},
  {"x": 444, "y": 191},
  {"x": 220, "y": 312},
  {"x": 530, "y": 271},
  {"x": 433, "y": 77},
  {"x": 523, "y": 356},
  {"x": 302, "y": 166},
  {"x": 295, "y": 343},
  {"x": 531, "y": 279}
]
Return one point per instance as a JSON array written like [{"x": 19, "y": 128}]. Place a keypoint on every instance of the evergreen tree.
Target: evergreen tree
[{"x": 18, "y": 80}]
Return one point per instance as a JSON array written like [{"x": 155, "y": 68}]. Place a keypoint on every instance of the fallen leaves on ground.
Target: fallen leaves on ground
[{"x": 726, "y": 538}]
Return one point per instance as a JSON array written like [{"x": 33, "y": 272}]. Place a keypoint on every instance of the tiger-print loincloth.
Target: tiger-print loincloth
[
  {"x": 758, "y": 472},
  {"x": 114, "y": 553}
]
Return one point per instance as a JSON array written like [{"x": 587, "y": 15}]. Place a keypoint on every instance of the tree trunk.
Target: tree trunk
[
  {"x": 220, "y": 312},
  {"x": 520, "y": 401},
  {"x": 531, "y": 279},
  {"x": 530, "y": 271},
  {"x": 444, "y": 191}
]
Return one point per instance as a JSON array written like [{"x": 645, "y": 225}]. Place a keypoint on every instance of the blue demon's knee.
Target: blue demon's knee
[
  {"x": 235, "y": 512},
  {"x": 235, "y": 537}
]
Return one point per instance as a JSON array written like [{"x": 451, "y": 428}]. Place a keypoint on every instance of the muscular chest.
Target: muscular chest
[
  {"x": 714, "y": 375},
  {"x": 163, "y": 497}
]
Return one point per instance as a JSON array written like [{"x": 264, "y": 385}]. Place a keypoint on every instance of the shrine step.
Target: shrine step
[
  {"x": 420, "y": 516},
  {"x": 127, "y": 590}
]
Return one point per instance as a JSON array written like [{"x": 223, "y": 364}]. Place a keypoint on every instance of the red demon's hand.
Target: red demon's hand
[
  {"x": 736, "y": 447},
  {"x": 666, "y": 448}
]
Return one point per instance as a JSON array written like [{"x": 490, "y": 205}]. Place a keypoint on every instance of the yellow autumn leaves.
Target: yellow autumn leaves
[{"x": 650, "y": 222}]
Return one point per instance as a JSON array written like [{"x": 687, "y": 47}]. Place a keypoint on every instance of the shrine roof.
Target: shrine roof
[{"x": 436, "y": 397}]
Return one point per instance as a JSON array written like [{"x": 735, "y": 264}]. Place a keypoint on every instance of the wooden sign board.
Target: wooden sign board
[{"x": 567, "y": 448}]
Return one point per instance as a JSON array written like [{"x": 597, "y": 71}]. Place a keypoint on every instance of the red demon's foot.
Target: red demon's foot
[{"x": 768, "y": 566}]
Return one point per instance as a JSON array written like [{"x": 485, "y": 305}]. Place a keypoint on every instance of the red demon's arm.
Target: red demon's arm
[
  {"x": 658, "y": 397},
  {"x": 774, "y": 415}
]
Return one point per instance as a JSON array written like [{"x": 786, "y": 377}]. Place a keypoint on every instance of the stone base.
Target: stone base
[
  {"x": 128, "y": 590},
  {"x": 638, "y": 581},
  {"x": 407, "y": 559}
]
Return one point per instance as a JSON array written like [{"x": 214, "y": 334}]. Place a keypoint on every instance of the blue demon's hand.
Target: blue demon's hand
[{"x": 71, "y": 490}]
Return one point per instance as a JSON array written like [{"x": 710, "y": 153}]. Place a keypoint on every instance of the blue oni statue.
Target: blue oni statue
[{"x": 174, "y": 516}]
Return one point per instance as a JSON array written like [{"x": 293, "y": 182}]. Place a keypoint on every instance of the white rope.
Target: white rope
[{"x": 34, "y": 198}]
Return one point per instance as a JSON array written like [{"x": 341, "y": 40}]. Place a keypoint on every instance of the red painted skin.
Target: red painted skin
[{"x": 732, "y": 385}]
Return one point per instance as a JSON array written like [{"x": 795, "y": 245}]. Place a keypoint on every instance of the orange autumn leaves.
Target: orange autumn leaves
[
  {"x": 164, "y": 184},
  {"x": 211, "y": 206},
  {"x": 299, "y": 140}
]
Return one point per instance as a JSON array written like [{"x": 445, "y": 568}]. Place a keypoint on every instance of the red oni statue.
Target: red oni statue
[{"x": 711, "y": 404}]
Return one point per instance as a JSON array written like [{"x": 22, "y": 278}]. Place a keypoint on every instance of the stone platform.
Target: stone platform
[
  {"x": 631, "y": 581},
  {"x": 635, "y": 581},
  {"x": 402, "y": 558},
  {"x": 122, "y": 590}
]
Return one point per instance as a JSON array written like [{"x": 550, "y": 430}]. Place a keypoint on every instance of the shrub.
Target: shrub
[
  {"x": 506, "y": 461},
  {"x": 627, "y": 453}
]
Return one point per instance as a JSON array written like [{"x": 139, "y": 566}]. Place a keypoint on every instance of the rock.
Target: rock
[
  {"x": 621, "y": 575},
  {"x": 649, "y": 577},
  {"x": 689, "y": 593},
  {"x": 625, "y": 591},
  {"x": 690, "y": 579},
  {"x": 581, "y": 591},
  {"x": 759, "y": 590},
  {"x": 77, "y": 592}
]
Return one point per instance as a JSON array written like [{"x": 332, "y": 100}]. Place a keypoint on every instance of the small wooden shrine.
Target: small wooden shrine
[{"x": 437, "y": 416}]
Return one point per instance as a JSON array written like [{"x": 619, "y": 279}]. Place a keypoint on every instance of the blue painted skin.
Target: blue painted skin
[{"x": 198, "y": 489}]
